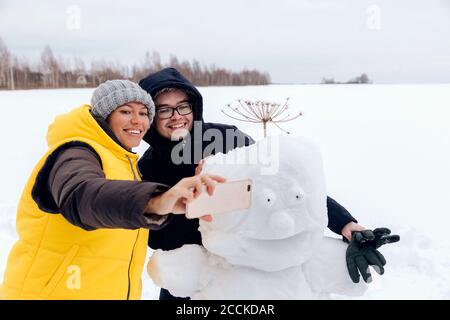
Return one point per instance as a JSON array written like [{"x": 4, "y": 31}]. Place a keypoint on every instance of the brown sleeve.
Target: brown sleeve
[{"x": 87, "y": 199}]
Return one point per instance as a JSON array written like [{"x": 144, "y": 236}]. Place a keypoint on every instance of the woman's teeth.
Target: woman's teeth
[{"x": 138, "y": 132}]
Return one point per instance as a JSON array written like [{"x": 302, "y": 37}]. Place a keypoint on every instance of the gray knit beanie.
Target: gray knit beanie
[{"x": 112, "y": 94}]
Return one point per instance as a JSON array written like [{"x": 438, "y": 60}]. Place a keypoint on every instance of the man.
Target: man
[{"x": 179, "y": 110}]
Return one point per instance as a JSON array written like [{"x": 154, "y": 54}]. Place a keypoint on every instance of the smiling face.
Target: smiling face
[
  {"x": 177, "y": 125},
  {"x": 129, "y": 123}
]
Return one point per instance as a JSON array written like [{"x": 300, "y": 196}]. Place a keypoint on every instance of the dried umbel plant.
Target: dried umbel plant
[{"x": 261, "y": 112}]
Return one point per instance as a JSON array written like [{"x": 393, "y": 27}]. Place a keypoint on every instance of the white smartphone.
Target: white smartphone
[{"x": 228, "y": 196}]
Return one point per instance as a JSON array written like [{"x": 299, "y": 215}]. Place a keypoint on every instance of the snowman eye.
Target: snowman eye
[
  {"x": 268, "y": 197},
  {"x": 297, "y": 194}
]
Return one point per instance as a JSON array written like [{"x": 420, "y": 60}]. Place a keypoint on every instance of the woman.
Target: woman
[{"x": 84, "y": 215}]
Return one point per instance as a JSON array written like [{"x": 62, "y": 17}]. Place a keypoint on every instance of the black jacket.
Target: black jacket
[{"x": 156, "y": 164}]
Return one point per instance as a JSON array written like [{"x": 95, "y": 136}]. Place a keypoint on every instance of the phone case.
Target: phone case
[{"x": 228, "y": 196}]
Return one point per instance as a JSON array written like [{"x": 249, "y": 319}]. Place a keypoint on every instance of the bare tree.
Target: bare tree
[
  {"x": 173, "y": 61},
  {"x": 80, "y": 75},
  {"x": 50, "y": 68},
  {"x": 6, "y": 73},
  {"x": 364, "y": 79},
  {"x": 197, "y": 72}
]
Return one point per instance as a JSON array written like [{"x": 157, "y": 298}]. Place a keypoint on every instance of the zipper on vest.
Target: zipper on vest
[
  {"x": 132, "y": 168},
  {"x": 129, "y": 266},
  {"x": 137, "y": 237}
]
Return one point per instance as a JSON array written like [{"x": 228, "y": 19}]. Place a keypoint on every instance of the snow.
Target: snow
[
  {"x": 275, "y": 249},
  {"x": 386, "y": 154}
]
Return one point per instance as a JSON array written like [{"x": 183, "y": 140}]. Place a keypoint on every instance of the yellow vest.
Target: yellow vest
[{"x": 54, "y": 259}]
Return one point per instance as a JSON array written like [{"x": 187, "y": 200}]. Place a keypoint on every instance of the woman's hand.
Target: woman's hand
[
  {"x": 207, "y": 218},
  {"x": 199, "y": 167},
  {"x": 198, "y": 170},
  {"x": 175, "y": 199}
]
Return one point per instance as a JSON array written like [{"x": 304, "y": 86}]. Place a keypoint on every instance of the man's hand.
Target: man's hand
[
  {"x": 349, "y": 228},
  {"x": 362, "y": 252}
]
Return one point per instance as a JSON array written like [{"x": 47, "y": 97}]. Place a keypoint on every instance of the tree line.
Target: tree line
[
  {"x": 362, "y": 79},
  {"x": 53, "y": 72}
]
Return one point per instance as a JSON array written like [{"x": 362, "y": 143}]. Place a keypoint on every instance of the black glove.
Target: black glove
[{"x": 362, "y": 252}]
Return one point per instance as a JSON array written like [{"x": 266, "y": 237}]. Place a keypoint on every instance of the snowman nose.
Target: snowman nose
[{"x": 282, "y": 224}]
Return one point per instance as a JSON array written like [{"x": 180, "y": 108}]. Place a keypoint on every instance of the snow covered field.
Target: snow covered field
[{"x": 386, "y": 151}]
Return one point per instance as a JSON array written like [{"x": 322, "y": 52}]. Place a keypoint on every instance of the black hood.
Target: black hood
[{"x": 170, "y": 78}]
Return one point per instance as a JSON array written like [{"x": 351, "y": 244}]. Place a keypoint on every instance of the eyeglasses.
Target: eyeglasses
[{"x": 167, "y": 112}]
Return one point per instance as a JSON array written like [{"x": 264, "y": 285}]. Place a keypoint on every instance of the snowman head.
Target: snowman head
[{"x": 288, "y": 207}]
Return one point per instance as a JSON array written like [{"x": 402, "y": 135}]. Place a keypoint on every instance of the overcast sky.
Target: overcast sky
[{"x": 296, "y": 41}]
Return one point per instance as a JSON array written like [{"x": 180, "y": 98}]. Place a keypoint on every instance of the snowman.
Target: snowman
[{"x": 276, "y": 249}]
